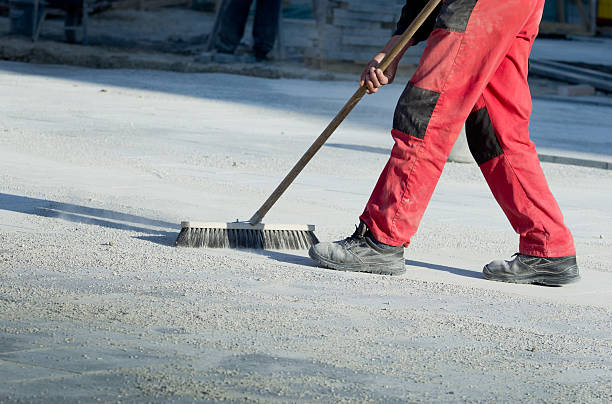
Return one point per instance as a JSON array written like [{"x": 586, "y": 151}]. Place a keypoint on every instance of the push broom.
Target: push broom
[{"x": 254, "y": 234}]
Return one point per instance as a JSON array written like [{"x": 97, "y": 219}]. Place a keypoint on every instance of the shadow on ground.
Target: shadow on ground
[
  {"x": 288, "y": 96},
  {"x": 95, "y": 216},
  {"x": 287, "y": 258},
  {"x": 307, "y": 261},
  {"x": 455, "y": 271},
  {"x": 356, "y": 147}
]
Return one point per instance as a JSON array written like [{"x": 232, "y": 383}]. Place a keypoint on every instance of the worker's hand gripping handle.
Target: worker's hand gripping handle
[{"x": 348, "y": 107}]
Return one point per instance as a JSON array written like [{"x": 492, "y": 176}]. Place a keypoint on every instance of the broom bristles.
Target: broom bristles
[{"x": 244, "y": 235}]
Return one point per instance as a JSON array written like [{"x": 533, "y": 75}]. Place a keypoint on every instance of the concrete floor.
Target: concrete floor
[{"x": 98, "y": 167}]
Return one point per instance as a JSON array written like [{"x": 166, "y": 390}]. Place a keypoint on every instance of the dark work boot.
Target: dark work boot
[
  {"x": 360, "y": 253},
  {"x": 529, "y": 269}
]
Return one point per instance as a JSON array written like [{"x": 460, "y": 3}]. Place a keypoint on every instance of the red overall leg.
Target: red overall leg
[
  {"x": 471, "y": 40},
  {"x": 498, "y": 136}
]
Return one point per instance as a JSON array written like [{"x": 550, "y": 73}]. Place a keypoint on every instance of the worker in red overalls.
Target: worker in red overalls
[{"x": 473, "y": 71}]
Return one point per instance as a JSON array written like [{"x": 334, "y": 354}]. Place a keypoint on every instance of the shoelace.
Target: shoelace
[{"x": 357, "y": 236}]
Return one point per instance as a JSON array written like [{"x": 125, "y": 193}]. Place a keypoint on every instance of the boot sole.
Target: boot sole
[
  {"x": 379, "y": 269},
  {"x": 536, "y": 279}
]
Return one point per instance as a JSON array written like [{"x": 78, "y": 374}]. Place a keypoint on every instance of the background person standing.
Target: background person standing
[{"x": 233, "y": 21}]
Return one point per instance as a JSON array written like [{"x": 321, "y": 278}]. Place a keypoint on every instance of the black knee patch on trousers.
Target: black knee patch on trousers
[
  {"x": 414, "y": 110},
  {"x": 481, "y": 136},
  {"x": 455, "y": 15}
]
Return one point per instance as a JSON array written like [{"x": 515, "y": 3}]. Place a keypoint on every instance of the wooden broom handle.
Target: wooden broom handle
[{"x": 348, "y": 107}]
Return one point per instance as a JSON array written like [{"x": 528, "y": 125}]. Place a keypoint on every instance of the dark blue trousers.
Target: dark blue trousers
[{"x": 234, "y": 18}]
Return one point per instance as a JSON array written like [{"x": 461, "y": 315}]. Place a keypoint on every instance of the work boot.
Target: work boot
[
  {"x": 538, "y": 270},
  {"x": 360, "y": 253}
]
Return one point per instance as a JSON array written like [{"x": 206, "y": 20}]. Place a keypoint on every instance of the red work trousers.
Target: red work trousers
[{"x": 473, "y": 71}]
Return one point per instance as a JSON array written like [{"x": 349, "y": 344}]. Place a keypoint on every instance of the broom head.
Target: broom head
[{"x": 245, "y": 235}]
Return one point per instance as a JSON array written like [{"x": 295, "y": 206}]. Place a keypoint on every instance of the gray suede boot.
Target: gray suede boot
[
  {"x": 529, "y": 269},
  {"x": 360, "y": 253}
]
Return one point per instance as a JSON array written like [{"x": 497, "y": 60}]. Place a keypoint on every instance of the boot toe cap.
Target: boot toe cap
[
  {"x": 327, "y": 252},
  {"x": 497, "y": 267}
]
